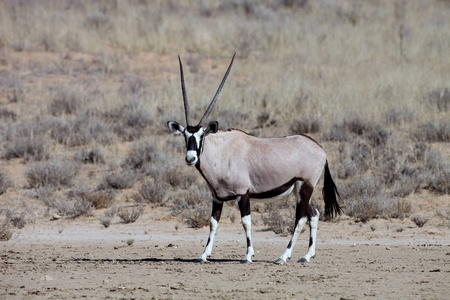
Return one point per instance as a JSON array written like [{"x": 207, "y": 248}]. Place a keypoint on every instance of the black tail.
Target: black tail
[{"x": 329, "y": 193}]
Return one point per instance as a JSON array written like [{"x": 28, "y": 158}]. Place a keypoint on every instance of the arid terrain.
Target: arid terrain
[
  {"x": 81, "y": 259},
  {"x": 96, "y": 200}
]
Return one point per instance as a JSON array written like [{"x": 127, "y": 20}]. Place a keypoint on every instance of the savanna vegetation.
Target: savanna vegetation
[{"x": 88, "y": 86}]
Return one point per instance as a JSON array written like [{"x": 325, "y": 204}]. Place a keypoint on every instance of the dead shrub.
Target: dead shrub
[
  {"x": 5, "y": 182},
  {"x": 106, "y": 218},
  {"x": 338, "y": 133},
  {"x": 7, "y": 116},
  {"x": 179, "y": 178},
  {"x": 440, "y": 98},
  {"x": 26, "y": 140},
  {"x": 366, "y": 199},
  {"x": 397, "y": 116},
  {"x": 420, "y": 221},
  {"x": 278, "y": 223},
  {"x": 434, "y": 131},
  {"x": 72, "y": 208},
  {"x": 16, "y": 217},
  {"x": 184, "y": 200},
  {"x": 130, "y": 120},
  {"x": 65, "y": 101},
  {"x": 118, "y": 180},
  {"x": 140, "y": 155},
  {"x": 14, "y": 88},
  {"x": 153, "y": 191},
  {"x": 93, "y": 156},
  {"x": 55, "y": 173},
  {"x": 357, "y": 125},
  {"x": 5, "y": 230},
  {"x": 98, "y": 198},
  {"x": 306, "y": 126},
  {"x": 130, "y": 216},
  {"x": 197, "y": 217}
]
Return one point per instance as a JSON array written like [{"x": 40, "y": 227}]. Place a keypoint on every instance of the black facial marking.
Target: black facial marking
[
  {"x": 193, "y": 129},
  {"x": 191, "y": 143}
]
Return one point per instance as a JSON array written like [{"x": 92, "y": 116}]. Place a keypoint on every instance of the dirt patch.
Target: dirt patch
[{"x": 155, "y": 259}]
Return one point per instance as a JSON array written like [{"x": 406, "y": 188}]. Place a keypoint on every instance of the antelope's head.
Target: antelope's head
[{"x": 194, "y": 135}]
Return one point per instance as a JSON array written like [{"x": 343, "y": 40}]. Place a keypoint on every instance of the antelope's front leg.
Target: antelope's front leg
[
  {"x": 244, "y": 207},
  {"x": 213, "y": 224}
]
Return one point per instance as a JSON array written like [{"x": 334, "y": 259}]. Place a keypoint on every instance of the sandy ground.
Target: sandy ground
[{"x": 80, "y": 259}]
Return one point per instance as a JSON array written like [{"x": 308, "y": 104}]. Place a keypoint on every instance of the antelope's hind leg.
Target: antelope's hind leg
[
  {"x": 303, "y": 194},
  {"x": 313, "y": 216},
  {"x": 213, "y": 224},
  {"x": 244, "y": 208}
]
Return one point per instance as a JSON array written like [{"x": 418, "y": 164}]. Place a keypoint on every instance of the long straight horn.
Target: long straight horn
[
  {"x": 211, "y": 105},
  {"x": 185, "y": 100}
]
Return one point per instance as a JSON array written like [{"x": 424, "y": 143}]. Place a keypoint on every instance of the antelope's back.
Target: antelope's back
[{"x": 234, "y": 162}]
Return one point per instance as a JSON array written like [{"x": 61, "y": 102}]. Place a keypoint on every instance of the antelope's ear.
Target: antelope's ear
[
  {"x": 175, "y": 128},
  {"x": 213, "y": 126}
]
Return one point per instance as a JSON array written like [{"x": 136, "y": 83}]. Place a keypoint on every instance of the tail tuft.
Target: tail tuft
[{"x": 329, "y": 193}]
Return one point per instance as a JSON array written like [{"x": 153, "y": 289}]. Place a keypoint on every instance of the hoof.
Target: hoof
[
  {"x": 303, "y": 260},
  {"x": 280, "y": 261},
  {"x": 201, "y": 260},
  {"x": 246, "y": 261}
]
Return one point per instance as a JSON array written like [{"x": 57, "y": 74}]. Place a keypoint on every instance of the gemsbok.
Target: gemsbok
[{"x": 238, "y": 166}]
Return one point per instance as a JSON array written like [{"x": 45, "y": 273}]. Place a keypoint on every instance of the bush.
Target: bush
[
  {"x": 365, "y": 199},
  {"x": 130, "y": 216},
  {"x": 434, "y": 131},
  {"x": 26, "y": 140},
  {"x": 73, "y": 208},
  {"x": 65, "y": 101},
  {"x": 141, "y": 154},
  {"x": 93, "y": 156},
  {"x": 98, "y": 198},
  {"x": 197, "y": 217},
  {"x": 306, "y": 126},
  {"x": 54, "y": 173},
  {"x": 153, "y": 192},
  {"x": 107, "y": 216},
  {"x": 5, "y": 230},
  {"x": 278, "y": 223},
  {"x": 420, "y": 221},
  {"x": 5, "y": 182},
  {"x": 440, "y": 98},
  {"x": 118, "y": 180}
]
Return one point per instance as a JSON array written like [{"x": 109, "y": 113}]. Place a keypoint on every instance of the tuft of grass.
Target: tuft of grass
[
  {"x": 54, "y": 173},
  {"x": 130, "y": 216}
]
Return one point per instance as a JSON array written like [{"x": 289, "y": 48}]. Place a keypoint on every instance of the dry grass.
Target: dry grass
[{"x": 87, "y": 88}]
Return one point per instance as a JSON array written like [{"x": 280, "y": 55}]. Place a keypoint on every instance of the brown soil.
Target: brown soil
[{"x": 385, "y": 259}]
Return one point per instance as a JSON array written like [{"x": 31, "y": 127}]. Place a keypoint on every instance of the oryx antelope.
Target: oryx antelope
[{"x": 238, "y": 166}]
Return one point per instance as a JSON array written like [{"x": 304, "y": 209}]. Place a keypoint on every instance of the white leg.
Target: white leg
[
  {"x": 247, "y": 223},
  {"x": 314, "y": 221},
  {"x": 288, "y": 252},
  {"x": 213, "y": 225}
]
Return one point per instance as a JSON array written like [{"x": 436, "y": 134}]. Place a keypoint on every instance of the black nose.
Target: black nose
[{"x": 190, "y": 160}]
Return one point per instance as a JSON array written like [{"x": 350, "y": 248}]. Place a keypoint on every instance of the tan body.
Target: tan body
[{"x": 235, "y": 163}]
